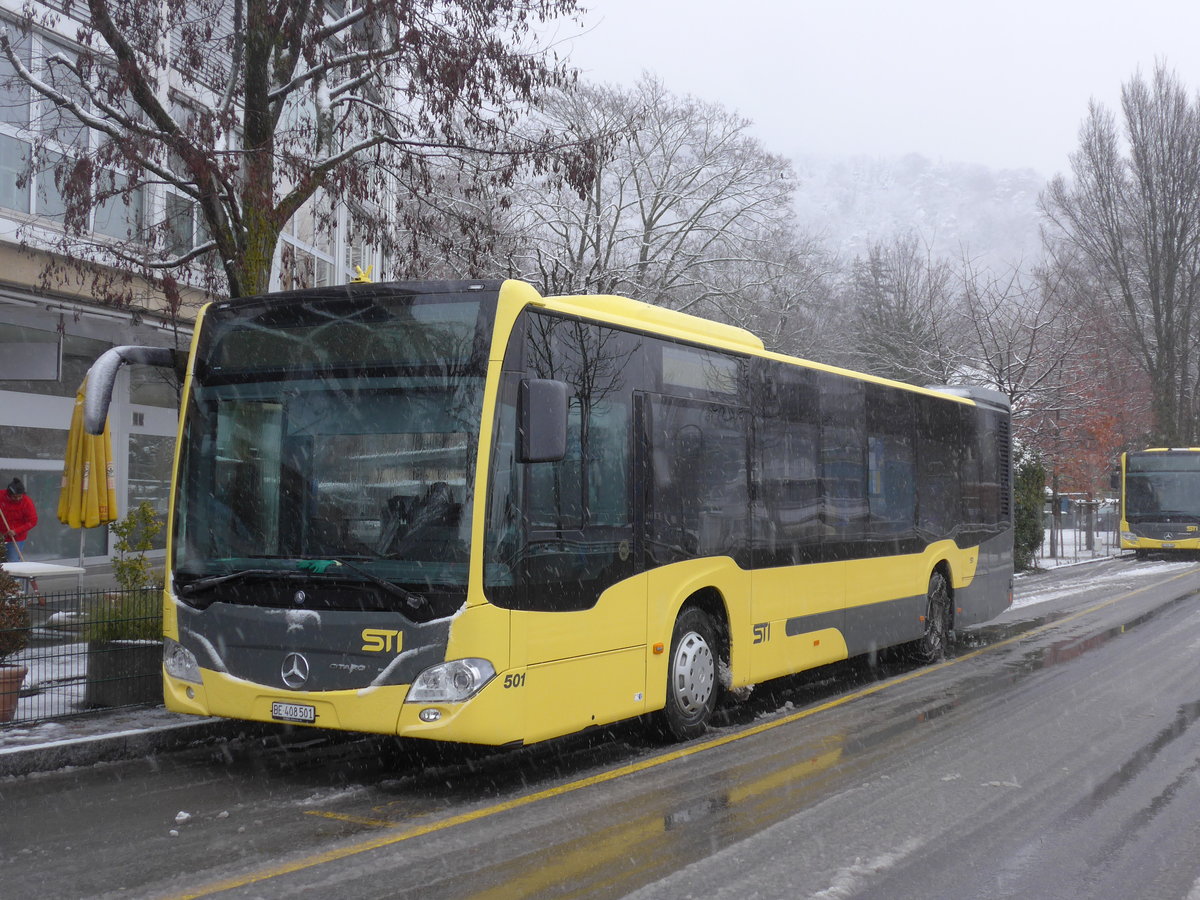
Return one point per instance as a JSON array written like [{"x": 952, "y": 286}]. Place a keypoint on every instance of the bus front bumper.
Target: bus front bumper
[
  {"x": 1131, "y": 541},
  {"x": 491, "y": 716}
]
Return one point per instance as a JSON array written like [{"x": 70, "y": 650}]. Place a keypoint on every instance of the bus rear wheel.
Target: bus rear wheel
[
  {"x": 692, "y": 683},
  {"x": 931, "y": 647}
]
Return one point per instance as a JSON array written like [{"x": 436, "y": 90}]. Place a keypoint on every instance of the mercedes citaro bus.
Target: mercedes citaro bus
[
  {"x": 467, "y": 512},
  {"x": 1160, "y": 500}
]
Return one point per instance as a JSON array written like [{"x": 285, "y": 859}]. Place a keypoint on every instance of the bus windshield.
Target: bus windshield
[
  {"x": 332, "y": 442},
  {"x": 1162, "y": 485}
]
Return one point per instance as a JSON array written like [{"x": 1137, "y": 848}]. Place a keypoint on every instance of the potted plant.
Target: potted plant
[
  {"x": 124, "y": 631},
  {"x": 14, "y": 636},
  {"x": 124, "y": 649}
]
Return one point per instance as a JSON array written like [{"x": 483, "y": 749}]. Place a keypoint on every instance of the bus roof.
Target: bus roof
[
  {"x": 638, "y": 314},
  {"x": 673, "y": 323},
  {"x": 635, "y": 314}
]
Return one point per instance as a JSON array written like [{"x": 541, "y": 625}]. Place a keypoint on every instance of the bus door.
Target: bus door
[
  {"x": 798, "y": 613},
  {"x": 693, "y": 505}
]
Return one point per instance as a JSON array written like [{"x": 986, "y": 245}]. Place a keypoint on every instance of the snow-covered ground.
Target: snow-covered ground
[
  {"x": 1072, "y": 551},
  {"x": 1085, "y": 580},
  {"x": 1072, "y": 548},
  {"x": 56, "y": 680}
]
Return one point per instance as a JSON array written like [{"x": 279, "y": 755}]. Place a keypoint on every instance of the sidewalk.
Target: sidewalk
[
  {"x": 103, "y": 735},
  {"x": 125, "y": 733}
]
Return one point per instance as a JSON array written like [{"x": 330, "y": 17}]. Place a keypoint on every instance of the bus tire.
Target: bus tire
[
  {"x": 692, "y": 678},
  {"x": 931, "y": 646}
]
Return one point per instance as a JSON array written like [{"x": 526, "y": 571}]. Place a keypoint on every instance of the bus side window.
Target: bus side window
[
  {"x": 891, "y": 490},
  {"x": 789, "y": 507},
  {"x": 556, "y": 529},
  {"x": 939, "y": 495},
  {"x": 699, "y": 498},
  {"x": 843, "y": 461}
]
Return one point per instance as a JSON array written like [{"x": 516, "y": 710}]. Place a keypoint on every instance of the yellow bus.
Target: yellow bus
[
  {"x": 1160, "y": 500},
  {"x": 463, "y": 511}
]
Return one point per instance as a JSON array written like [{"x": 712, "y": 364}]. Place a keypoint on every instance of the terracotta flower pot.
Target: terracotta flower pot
[{"x": 11, "y": 678}]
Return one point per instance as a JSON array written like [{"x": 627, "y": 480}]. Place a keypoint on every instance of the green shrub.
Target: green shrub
[
  {"x": 127, "y": 616},
  {"x": 14, "y": 617},
  {"x": 135, "y": 535},
  {"x": 1030, "y": 498}
]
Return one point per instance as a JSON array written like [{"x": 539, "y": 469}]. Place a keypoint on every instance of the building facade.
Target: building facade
[
  {"x": 52, "y": 329},
  {"x": 47, "y": 345}
]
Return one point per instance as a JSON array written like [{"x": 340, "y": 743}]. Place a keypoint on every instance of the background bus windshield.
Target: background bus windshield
[
  {"x": 327, "y": 444},
  {"x": 1162, "y": 484}
]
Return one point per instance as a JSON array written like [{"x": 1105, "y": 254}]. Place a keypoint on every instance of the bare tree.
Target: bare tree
[
  {"x": 1024, "y": 336},
  {"x": 677, "y": 192},
  {"x": 904, "y": 324},
  {"x": 784, "y": 295},
  {"x": 1133, "y": 213},
  {"x": 244, "y": 111}
]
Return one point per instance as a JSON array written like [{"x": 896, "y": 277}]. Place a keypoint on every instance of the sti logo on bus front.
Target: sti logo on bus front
[{"x": 380, "y": 640}]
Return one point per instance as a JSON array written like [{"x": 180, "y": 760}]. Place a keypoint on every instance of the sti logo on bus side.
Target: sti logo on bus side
[{"x": 380, "y": 640}]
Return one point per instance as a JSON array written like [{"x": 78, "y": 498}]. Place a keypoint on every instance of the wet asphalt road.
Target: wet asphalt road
[{"x": 1055, "y": 755}]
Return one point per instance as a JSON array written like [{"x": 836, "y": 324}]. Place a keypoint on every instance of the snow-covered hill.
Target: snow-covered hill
[{"x": 957, "y": 209}]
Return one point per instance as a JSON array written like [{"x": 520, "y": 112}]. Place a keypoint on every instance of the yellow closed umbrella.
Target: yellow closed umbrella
[{"x": 88, "y": 493}]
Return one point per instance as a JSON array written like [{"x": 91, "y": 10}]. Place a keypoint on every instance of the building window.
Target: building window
[
  {"x": 150, "y": 459},
  {"x": 29, "y": 182},
  {"x": 14, "y": 94},
  {"x": 78, "y": 354},
  {"x": 14, "y": 164},
  {"x": 118, "y": 215},
  {"x": 306, "y": 246}
]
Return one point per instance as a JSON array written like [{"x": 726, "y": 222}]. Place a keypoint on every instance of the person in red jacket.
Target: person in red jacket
[{"x": 19, "y": 516}]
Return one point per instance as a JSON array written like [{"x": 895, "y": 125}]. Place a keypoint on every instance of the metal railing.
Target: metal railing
[
  {"x": 89, "y": 650},
  {"x": 1074, "y": 544}
]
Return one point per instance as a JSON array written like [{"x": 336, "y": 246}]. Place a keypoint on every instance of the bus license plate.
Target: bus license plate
[
  {"x": 1168, "y": 545},
  {"x": 293, "y": 712}
]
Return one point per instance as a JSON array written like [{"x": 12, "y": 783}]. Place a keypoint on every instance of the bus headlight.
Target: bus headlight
[
  {"x": 451, "y": 682},
  {"x": 180, "y": 662},
  {"x": 1129, "y": 537}
]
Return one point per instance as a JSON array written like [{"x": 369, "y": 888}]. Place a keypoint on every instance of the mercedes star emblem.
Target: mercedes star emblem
[{"x": 294, "y": 670}]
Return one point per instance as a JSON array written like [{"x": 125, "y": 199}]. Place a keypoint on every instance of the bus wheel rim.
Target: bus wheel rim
[{"x": 695, "y": 673}]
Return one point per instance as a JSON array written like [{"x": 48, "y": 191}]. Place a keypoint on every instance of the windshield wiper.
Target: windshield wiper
[
  {"x": 415, "y": 602},
  {"x": 203, "y": 584}
]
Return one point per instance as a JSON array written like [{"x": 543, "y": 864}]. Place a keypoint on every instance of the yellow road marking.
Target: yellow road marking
[
  {"x": 356, "y": 820},
  {"x": 387, "y": 840}
]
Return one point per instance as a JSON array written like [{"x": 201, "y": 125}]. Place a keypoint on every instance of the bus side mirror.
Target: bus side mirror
[
  {"x": 103, "y": 374},
  {"x": 542, "y": 410},
  {"x": 1115, "y": 479}
]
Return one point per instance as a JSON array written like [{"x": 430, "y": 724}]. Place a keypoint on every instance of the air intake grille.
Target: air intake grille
[{"x": 1004, "y": 460}]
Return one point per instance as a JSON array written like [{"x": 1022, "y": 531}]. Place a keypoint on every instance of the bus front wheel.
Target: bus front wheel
[
  {"x": 931, "y": 647},
  {"x": 692, "y": 684}
]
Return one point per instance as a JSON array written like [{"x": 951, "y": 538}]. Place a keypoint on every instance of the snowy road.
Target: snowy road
[{"x": 1055, "y": 756}]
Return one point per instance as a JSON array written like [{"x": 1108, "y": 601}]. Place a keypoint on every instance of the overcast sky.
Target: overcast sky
[{"x": 1004, "y": 83}]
